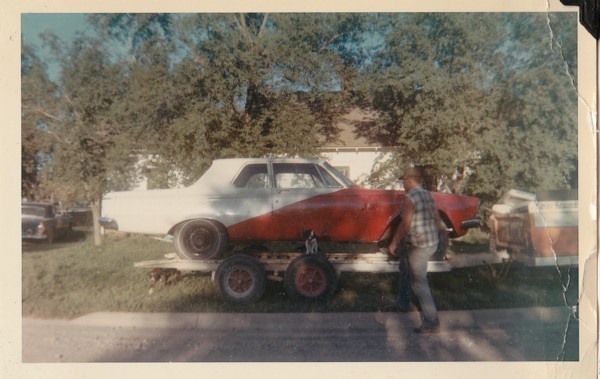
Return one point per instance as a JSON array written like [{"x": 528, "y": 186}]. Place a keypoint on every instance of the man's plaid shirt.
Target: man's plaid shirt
[{"x": 423, "y": 229}]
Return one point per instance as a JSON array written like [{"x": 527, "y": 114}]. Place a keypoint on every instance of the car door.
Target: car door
[
  {"x": 250, "y": 204},
  {"x": 300, "y": 199}
]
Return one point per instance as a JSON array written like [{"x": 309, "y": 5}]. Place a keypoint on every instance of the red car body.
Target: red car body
[{"x": 351, "y": 214}]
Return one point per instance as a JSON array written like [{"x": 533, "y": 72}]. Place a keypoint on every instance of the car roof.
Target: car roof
[
  {"x": 35, "y": 204},
  {"x": 278, "y": 160},
  {"x": 234, "y": 164},
  {"x": 226, "y": 168}
]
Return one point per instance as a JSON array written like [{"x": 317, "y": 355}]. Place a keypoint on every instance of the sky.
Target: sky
[{"x": 64, "y": 25}]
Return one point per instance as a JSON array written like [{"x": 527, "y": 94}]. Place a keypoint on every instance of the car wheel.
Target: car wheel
[
  {"x": 200, "y": 239},
  {"x": 240, "y": 279},
  {"x": 310, "y": 277}
]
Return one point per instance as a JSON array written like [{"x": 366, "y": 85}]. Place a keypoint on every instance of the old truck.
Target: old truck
[{"x": 538, "y": 229}]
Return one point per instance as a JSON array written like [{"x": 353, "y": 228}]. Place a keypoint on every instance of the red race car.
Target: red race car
[{"x": 248, "y": 201}]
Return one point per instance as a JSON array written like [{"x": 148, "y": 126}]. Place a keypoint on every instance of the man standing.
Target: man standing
[{"x": 420, "y": 220}]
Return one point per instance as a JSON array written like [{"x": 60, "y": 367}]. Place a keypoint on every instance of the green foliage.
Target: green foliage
[
  {"x": 257, "y": 85},
  {"x": 165, "y": 94},
  {"x": 77, "y": 118},
  {"x": 533, "y": 145},
  {"x": 67, "y": 280},
  {"x": 486, "y": 114},
  {"x": 39, "y": 103}
]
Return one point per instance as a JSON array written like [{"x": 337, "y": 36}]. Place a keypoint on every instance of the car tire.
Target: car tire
[
  {"x": 240, "y": 279},
  {"x": 200, "y": 240},
  {"x": 310, "y": 277}
]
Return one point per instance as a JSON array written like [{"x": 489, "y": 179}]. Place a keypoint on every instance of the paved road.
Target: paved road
[{"x": 531, "y": 334}]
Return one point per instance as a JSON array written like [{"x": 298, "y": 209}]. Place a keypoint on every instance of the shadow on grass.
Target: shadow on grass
[
  {"x": 41, "y": 246},
  {"x": 468, "y": 247},
  {"x": 522, "y": 287},
  {"x": 475, "y": 241},
  {"x": 79, "y": 278},
  {"x": 461, "y": 289}
]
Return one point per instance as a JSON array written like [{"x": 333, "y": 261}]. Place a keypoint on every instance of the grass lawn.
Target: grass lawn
[{"x": 70, "y": 279}]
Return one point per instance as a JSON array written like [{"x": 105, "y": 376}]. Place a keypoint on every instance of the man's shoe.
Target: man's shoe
[{"x": 427, "y": 329}]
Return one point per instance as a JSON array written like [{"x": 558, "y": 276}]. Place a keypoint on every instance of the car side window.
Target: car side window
[
  {"x": 328, "y": 178},
  {"x": 253, "y": 176},
  {"x": 297, "y": 176}
]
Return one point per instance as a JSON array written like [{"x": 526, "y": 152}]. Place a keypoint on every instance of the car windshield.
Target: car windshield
[
  {"x": 33, "y": 211},
  {"x": 347, "y": 182}
]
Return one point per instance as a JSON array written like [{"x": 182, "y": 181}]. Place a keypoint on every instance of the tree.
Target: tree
[
  {"x": 254, "y": 85},
  {"x": 39, "y": 101},
  {"x": 212, "y": 86},
  {"x": 431, "y": 88},
  {"x": 533, "y": 145},
  {"x": 90, "y": 148},
  {"x": 472, "y": 109}
]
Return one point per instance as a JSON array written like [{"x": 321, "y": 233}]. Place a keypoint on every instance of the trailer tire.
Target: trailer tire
[
  {"x": 200, "y": 239},
  {"x": 310, "y": 277},
  {"x": 240, "y": 279}
]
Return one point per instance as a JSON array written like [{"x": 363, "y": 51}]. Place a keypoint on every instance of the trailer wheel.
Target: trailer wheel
[
  {"x": 310, "y": 277},
  {"x": 200, "y": 239},
  {"x": 240, "y": 279}
]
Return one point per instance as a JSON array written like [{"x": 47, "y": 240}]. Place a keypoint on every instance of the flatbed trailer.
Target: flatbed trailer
[{"x": 241, "y": 277}]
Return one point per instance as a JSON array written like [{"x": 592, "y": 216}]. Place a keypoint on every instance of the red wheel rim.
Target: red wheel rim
[
  {"x": 240, "y": 281},
  {"x": 311, "y": 281}
]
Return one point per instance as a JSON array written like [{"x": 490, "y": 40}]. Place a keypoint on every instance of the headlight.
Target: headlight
[{"x": 41, "y": 228}]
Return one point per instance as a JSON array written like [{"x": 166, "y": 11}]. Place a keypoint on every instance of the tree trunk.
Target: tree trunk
[{"x": 95, "y": 205}]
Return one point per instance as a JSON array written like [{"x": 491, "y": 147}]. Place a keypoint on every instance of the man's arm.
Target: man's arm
[{"x": 404, "y": 227}]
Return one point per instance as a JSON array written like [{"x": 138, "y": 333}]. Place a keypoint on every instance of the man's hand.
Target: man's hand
[{"x": 404, "y": 227}]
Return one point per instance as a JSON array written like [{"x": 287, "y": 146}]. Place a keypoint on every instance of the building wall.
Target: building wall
[{"x": 356, "y": 165}]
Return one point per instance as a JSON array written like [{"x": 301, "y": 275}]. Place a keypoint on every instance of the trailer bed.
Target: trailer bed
[
  {"x": 342, "y": 262},
  {"x": 241, "y": 278}
]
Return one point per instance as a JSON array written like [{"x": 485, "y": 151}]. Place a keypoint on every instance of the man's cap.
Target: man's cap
[{"x": 412, "y": 173}]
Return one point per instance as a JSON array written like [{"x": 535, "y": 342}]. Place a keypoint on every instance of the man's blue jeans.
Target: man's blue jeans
[{"x": 417, "y": 260}]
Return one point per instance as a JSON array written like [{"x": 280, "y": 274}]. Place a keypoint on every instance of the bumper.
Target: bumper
[
  {"x": 108, "y": 223},
  {"x": 470, "y": 224},
  {"x": 33, "y": 237}
]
